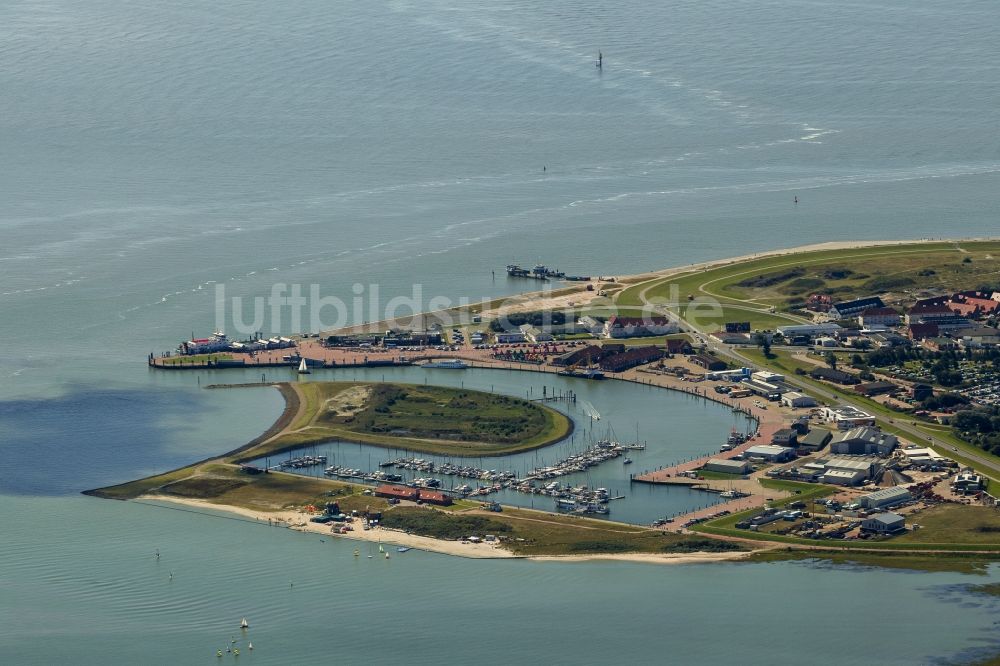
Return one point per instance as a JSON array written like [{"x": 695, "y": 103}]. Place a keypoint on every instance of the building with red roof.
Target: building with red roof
[{"x": 434, "y": 497}]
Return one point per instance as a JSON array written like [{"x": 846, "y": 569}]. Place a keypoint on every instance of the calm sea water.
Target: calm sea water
[
  {"x": 154, "y": 150},
  {"x": 92, "y": 592}
]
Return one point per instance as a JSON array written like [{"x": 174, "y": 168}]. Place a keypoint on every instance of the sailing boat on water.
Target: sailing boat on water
[
  {"x": 600, "y": 60},
  {"x": 303, "y": 368}
]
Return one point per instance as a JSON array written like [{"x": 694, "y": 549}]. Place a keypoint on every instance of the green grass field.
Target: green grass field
[
  {"x": 710, "y": 317},
  {"x": 718, "y": 476},
  {"x": 781, "y": 280},
  {"x": 536, "y": 533},
  {"x": 225, "y": 484},
  {"x": 954, "y": 523}
]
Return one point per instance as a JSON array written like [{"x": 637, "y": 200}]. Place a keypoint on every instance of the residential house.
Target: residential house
[
  {"x": 630, "y": 327},
  {"x": 593, "y": 325},
  {"x": 919, "y": 332},
  {"x": 678, "y": 346},
  {"x": 535, "y": 334},
  {"x": 879, "y": 317},
  {"x": 631, "y": 358},
  {"x": 846, "y": 309},
  {"x": 927, "y": 313},
  {"x": 580, "y": 356},
  {"x": 509, "y": 337},
  {"x": 888, "y": 340},
  {"x": 974, "y": 304},
  {"x": 708, "y": 362}
]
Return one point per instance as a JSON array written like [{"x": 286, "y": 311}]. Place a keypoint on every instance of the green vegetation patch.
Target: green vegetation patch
[
  {"x": 202, "y": 487},
  {"x": 441, "y": 525},
  {"x": 421, "y": 418},
  {"x": 803, "y": 285},
  {"x": 536, "y": 533},
  {"x": 842, "y": 274},
  {"x": 771, "y": 279},
  {"x": 694, "y": 545},
  {"x": 227, "y": 485},
  {"x": 955, "y": 523},
  {"x": 718, "y": 476}
]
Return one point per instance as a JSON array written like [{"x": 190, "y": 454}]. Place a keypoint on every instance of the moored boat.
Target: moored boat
[{"x": 455, "y": 364}]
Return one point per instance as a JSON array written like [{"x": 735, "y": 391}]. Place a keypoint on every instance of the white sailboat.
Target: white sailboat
[
  {"x": 244, "y": 624},
  {"x": 303, "y": 368}
]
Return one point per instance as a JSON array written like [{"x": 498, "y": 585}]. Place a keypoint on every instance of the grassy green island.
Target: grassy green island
[{"x": 432, "y": 419}]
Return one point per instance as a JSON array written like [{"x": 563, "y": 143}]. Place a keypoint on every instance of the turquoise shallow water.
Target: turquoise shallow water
[{"x": 152, "y": 151}]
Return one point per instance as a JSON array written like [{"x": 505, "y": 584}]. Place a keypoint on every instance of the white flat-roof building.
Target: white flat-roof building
[
  {"x": 728, "y": 375},
  {"x": 797, "y": 400},
  {"x": 843, "y": 477},
  {"x": 847, "y": 417},
  {"x": 808, "y": 329},
  {"x": 767, "y": 377},
  {"x": 924, "y": 452}
]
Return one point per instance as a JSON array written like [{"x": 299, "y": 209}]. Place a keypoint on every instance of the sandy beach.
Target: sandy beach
[
  {"x": 649, "y": 558},
  {"x": 298, "y": 520}
]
